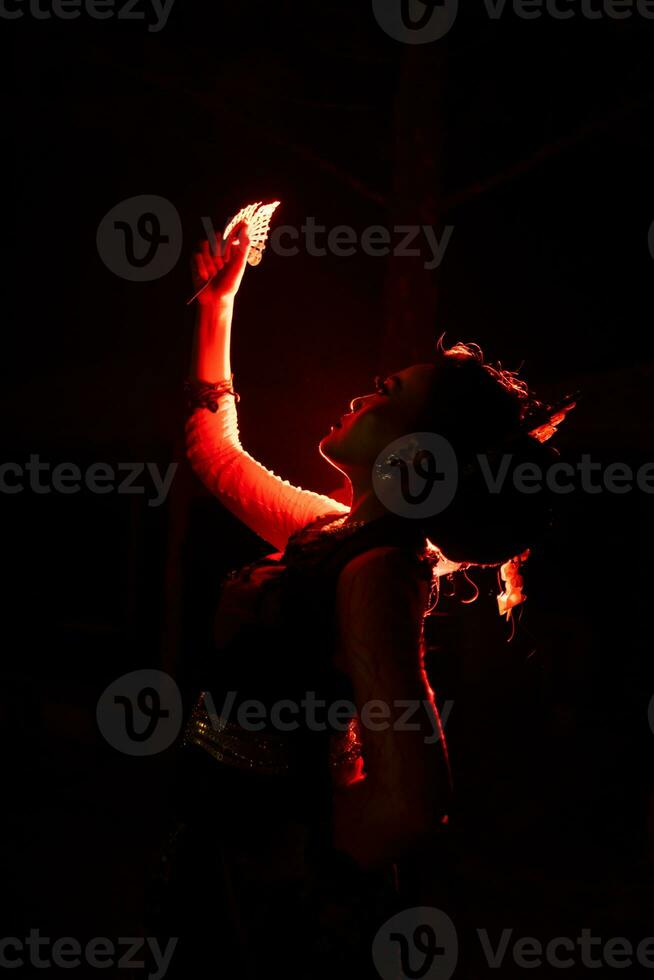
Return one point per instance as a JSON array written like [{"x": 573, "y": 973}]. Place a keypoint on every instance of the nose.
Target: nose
[{"x": 356, "y": 403}]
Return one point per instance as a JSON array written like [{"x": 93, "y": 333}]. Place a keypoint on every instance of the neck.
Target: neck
[{"x": 366, "y": 505}]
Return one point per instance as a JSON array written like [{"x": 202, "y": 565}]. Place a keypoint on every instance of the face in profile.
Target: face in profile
[{"x": 375, "y": 420}]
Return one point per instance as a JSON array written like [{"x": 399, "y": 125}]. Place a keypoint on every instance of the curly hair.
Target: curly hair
[{"x": 494, "y": 424}]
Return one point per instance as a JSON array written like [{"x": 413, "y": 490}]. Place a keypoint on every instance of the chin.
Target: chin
[
  {"x": 325, "y": 446},
  {"x": 329, "y": 447}
]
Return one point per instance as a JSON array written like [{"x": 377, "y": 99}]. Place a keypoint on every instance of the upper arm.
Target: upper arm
[
  {"x": 273, "y": 508},
  {"x": 381, "y": 602}
]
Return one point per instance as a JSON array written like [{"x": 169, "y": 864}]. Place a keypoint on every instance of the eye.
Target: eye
[{"x": 380, "y": 386}]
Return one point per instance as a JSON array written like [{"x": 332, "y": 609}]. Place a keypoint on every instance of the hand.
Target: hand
[{"x": 225, "y": 269}]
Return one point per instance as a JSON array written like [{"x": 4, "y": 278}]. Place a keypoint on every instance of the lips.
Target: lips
[{"x": 339, "y": 424}]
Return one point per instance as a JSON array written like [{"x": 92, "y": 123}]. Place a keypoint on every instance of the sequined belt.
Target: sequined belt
[{"x": 260, "y": 751}]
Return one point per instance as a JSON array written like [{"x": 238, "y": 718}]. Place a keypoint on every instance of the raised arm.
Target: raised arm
[{"x": 273, "y": 508}]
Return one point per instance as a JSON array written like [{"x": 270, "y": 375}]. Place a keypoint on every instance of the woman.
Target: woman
[{"x": 292, "y": 826}]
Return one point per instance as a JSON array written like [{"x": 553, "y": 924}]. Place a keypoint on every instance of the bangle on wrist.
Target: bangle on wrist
[{"x": 205, "y": 394}]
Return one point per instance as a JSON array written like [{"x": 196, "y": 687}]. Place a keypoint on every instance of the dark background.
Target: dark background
[{"x": 534, "y": 140}]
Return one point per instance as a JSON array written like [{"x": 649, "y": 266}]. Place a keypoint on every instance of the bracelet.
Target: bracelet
[{"x": 205, "y": 394}]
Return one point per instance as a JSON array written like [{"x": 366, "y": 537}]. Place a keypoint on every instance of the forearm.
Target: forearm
[
  {"x": 271, "y": 507},
  {"x": 210, "y": 357}
]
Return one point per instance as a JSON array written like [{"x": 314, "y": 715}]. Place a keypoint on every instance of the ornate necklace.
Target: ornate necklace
[
  {"x": 338, "y": 526},
  {"x": 306, "y": 545}
]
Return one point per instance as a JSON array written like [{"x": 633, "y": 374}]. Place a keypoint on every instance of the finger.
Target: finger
[
  {"x": 241, "y": 232},
  {"x": 244, "y": 237},
  {"x": 229, "y": 241},
  {"x": 200, "y": 266},
  {"x": 213, "y": 262},
  {"x": 215, "y": 244},
  {"x": 242, "y": 246},
  {"x": 236, "y": 239}
]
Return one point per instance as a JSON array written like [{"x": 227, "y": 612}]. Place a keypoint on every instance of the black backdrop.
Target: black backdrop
[{"x": 534, "y": 139}]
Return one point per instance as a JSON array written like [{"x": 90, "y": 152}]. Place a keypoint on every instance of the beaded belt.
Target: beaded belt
[{"x": 257, "y": 751}]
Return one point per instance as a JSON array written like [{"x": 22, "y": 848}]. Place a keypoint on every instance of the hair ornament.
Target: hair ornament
[{"x": 542, "y": 421}]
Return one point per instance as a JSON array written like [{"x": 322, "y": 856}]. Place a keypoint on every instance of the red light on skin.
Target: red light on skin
[{"x": 339, "y": 424}]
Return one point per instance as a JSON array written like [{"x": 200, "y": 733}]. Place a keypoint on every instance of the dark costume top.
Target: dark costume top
[{"x": 250, "y": 881}]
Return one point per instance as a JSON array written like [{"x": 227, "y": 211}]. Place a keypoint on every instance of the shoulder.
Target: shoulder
[
  {"x": 381, "y": 604},
  {"x": 383, "y": 563},
  {"x": 382, "y": 574}
]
